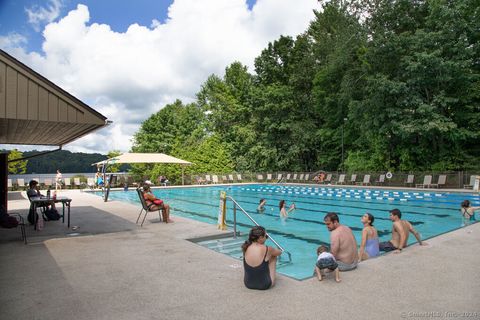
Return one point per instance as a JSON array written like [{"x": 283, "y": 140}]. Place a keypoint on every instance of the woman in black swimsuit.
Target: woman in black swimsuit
[{"x": 259, "y": 261}]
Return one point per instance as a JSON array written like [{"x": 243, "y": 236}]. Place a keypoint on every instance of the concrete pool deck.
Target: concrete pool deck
[{"x": 110, "y": 268}]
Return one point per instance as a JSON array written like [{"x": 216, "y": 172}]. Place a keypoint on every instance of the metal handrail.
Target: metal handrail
[{"x": 255, "y": 223}]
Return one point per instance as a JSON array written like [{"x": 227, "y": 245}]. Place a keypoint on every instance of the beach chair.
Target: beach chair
[
  {"x": 410, "y": 180},
  {"x": 470, "y": 185},
  {"x": 341, "y": 179},
  {"x": 307, "y": 177},
  {"x": 239, "y": 177},
  {"x": 76, "y": 182},
  {"x": 300, "y": 178},
  {"x": 208, "y": 179},
  {"x": 224, "y": 179},
  {"x": 287, "y": 177},
  {"x": 146, "y": 208},
  {"x": 294, "y": 178},
  {"x": 381, "y": 180},
  {"x": 91, "y": 183},
  {"x": 259, "y": 177},
  {"x": 9, "y": 184},
  {"x": 214, "y": 179},
  {"x": 366, "y": 180},
  {"x": 279, "y": 177},
  {"x": 442, "y": 180},
  {"x": 427, "y": 182},
  {"x": 230, "y": 178},
  {"x": 20, "y": 183},
  {"x": 67, "y": 183},
  {"x": 269, "y": 177},
  {"x": 328, "y": 179},
  {"x": 48, "y": 183},
  {"x": 353, "y": 179}
]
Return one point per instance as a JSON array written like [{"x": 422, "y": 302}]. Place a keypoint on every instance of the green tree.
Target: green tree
[
  {"x": 16, "y": 167},
  {"x": 113, "y": 167}
]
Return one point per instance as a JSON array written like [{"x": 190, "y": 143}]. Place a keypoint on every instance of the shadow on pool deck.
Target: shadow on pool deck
[{"x": 117, "y": 270}]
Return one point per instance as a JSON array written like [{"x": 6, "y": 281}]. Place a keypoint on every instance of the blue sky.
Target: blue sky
[
  {"x": 118, "y": 14},
  {"x": 128, "y": 59}
]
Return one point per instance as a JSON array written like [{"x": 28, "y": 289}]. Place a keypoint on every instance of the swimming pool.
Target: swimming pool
[{"x": 431, "y": 213}]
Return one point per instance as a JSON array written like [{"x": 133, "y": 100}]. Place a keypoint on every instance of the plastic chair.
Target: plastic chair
[{"x": 147, "y": 208}]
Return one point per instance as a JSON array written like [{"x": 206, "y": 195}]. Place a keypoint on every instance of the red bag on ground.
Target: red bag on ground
[{"x": 158, "y": 202}]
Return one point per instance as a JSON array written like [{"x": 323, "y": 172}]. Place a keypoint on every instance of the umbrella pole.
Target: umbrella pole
[{"x": 183, "y": 169}]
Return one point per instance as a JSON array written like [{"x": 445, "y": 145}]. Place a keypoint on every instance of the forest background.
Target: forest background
[{"x": 371, "y": 85}]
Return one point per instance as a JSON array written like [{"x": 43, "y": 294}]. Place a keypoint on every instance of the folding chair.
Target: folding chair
[{"x": 147, "y": 208}]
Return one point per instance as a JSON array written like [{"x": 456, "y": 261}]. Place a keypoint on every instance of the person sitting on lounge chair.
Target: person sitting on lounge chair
[{"x": 156, "y": 204}]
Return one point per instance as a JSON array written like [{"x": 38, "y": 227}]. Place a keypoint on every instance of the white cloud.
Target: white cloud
[
  {"x": 128, "y": 76},
  {"x": 39, "y": 16}
]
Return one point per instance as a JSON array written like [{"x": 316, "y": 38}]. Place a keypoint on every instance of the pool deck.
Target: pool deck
[{"x": 110, "y": 268}]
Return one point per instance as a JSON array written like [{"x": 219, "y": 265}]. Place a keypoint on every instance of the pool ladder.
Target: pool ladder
[{"x": 235, "y": 205}]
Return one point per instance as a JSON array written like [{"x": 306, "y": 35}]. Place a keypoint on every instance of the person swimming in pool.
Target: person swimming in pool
[
  {"x": 261, "y": 205},
  {"x": 369, "y": 247},
  {"x": 468, "y": 212},
  {"x": 283, "y": 209}
]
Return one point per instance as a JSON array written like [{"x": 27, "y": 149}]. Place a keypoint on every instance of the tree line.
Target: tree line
[{"x": 380, "y": 84}]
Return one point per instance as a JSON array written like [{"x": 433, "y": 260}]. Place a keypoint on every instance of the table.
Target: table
[{"x": 42, "y": 201}]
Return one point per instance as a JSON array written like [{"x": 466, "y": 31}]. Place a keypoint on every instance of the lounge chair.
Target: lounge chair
[
  {"x": 287, "y": 177},
  {"x": 353, "y": 179},
  {"x": 410, "y": 180},
  {"x": 214, "y": 179},
  {"x": 147, "y": 208},
  {"x": 224, "y": 179},
  {"x": 294, "y": 178},
  {"x": 9, "y": 184},
  {"x": 230, "y": 178},
  {"x": 442, "y": 180},
  {"x": 47, "y": 182},
  {"x": 91, "y": 183},
  {"x": 279, "y": 177},
  {"x": 208, "y": 179},
  {"x": 269, "y": 177},
  {"x": 472, "y": 182},
  {"x": 76, "y": 182},
  {"x": 259, "y": 177},
  {"x": 381, "y": 180},
  {"x": 427, "y": 182},
  {"x": 341, "y": 179},
  {"x": 301, "y": 177},
  {"x": 366, "y": 180},
  {"x": 67, "y": 183},
  {"x": 239, "y": 177},
  {"x": 328, "y": 179},
  {"x": 21, "y": 183},
  {"x": 307, "y": 177}
]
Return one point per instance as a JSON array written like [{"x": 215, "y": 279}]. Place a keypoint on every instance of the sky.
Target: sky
[{"x": 127, "y": 59}]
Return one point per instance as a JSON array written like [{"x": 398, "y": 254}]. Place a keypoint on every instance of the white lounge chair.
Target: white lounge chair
[
  {"x": 269, "y": 177},
  {"x": 341, "y": 179},
  {"x": 76, "y": 182},
  {"x": 366, "y": 180},
  {"x": 353, "y": 179},
  {"x": 442, "y": 180},
  {"x": 471, "y": 183},
  {"x": 410, "y": 180},
  {"x": 208, "y": 179},
  {"x": 67, "y": 183},
  {"x": 20, "y": 183},
  {"x": 214, "y": 179},
  {"x": 259, "y": 177},
  {"x": 287, "y": 177},
  {"x": 381, "y": 180},
  {"x": 294, "y": 178},
  {"x": 9, "y": 184},
  {"x": 239, "y": 177},
  {"x": 279, "y": 177},
  {"x": 427, "y": 182},
  {"x": 328, "y": 179},
  {"x": 300, "y": 178},
  {"x": 307, "y": 177},
  {"x": 230, "y": 178}
]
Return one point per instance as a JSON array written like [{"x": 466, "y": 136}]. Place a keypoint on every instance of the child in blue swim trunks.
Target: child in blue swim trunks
[{"x": 326, "y": 262}]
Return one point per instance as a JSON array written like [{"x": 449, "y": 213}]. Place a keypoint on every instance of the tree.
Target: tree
[
  {"x": 16, "y": 167},
  {"x": 113, "y": 167}
]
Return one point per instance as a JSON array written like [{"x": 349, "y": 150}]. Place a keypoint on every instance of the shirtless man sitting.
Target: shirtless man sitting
[
  {"x": 400, "y": 231},
  {"x": 343, "y": 245}
]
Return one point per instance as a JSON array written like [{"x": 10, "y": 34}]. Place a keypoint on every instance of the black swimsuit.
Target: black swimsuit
[{"x": 257, "y": 277}]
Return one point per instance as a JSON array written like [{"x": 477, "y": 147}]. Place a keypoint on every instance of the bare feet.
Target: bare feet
[
  {"x": 320, "y": 278},
  {"x": 338, "y": 280},
  {"x": 169, "y": 221}
]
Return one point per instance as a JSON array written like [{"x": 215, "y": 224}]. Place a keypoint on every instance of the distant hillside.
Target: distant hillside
[{"x": 66, "y": 161}]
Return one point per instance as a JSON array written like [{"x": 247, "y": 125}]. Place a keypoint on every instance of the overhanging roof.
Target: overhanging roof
[
  {"x": 35, "y": 111},
  {"x": 143, "y": 158}
]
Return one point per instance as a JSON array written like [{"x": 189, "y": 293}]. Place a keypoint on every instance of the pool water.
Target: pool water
[{"x": 431, "y": 213}]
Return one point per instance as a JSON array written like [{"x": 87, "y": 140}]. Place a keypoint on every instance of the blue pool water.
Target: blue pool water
[{"x": 431, "y": 213}]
